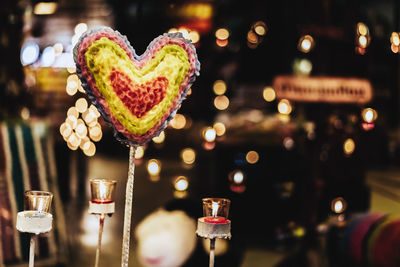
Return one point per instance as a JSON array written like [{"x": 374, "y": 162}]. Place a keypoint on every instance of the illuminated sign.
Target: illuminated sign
[{"x": 323, "y": 89}]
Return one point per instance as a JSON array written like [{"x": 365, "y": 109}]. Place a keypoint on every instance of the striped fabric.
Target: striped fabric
[{"x": 27, "y": 163}]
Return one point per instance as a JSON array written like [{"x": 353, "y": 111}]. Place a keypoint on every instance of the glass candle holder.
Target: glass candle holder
[
  {"x": 36, "y": 218},
  {"x": 38, "y": 201},
  {"x": 216, "y": 210},
  {"x": 102, "y": 190}
]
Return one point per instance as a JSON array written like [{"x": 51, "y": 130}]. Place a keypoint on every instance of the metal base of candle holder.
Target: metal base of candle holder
[
  {"x": 101, "y": 208},
  {"x": 34, "y": 222},
  {"x": 213, "y": 230}
]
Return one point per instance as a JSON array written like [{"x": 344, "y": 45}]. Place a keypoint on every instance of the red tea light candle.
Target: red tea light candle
[
  {"x": 215, "y": 223},
  {"x": 102, "y": 200}
]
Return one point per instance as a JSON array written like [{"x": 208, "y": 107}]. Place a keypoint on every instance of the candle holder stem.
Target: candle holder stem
[
  {"x": 212, "y": 252},
  {"x": 96, "y": 264},
  {"x": 128, "y": 208},
  {"x": 32, "y": 251}
]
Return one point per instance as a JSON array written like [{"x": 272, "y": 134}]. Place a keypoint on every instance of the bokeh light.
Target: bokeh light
[
  {"x": 181, "y": 183},
  {"x": 221, "y": 102},
  {"x": 284, "y": 107},
  {"x": 269, "y": 94},
  {"x": 188, "y": 155},
  {"x": 349, "y": 146},
  {"x": 209, "y": 134},
  {"x": 154, "y": 167},
  {"x": 252, "y": 157},
  {"x": 306, "y": 43},
  {"x": 220, "y": 128},
  {"x": 219, "y": 87}
]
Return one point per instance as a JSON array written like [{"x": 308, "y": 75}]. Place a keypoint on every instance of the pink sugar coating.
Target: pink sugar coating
[{"x": 161, "y": 42}]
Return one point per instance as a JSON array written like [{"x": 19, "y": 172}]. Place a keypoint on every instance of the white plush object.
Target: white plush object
[{"x": 165, "y": 238}]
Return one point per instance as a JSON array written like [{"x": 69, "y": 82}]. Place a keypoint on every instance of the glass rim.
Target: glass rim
[
  {"x": 97, "y": 180},
  {"x": 217, "y": 199},
  {"x": 38, "y": 193}
]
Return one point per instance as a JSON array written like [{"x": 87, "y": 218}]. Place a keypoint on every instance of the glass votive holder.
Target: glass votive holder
[
  {"x": 216, "y": 210},
  {"x": 37, "y": 217},
  {"x": 38, "y": 201},
  {"x": 102, "y": 200},
  {"x": 102, "y": 190},
  {"x": 215, "y": 223}
]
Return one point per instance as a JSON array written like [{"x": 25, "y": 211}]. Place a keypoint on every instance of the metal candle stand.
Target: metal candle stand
[
  {"x": 102, "y": 203},
  {"x": 36, "y": 218},
  {"x": 214, "y": 224}
]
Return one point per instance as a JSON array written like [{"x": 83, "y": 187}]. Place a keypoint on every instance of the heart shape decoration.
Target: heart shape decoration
[{"x": 137, "y": 95}]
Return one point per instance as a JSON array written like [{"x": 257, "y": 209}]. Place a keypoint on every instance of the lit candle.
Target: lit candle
[
  {"x": 102, "y": 191},
  {"x": 214, "y": 218}
]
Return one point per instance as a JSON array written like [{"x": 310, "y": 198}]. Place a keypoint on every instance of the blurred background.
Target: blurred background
[{"x": 283, "y": 160}]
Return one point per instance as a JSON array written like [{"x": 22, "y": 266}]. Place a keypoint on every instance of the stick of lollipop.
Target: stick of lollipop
[
  {"x": 136, "y": 95},
  {"x": 215, "y": 223},
  {"x": 36, "y": 218},
  {"x": 101, "y": 203}
]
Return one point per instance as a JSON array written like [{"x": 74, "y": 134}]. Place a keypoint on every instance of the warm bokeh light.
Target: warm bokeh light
[
  {"x": 362, "y": 29},
  {"x": 219, "y": 87},
  {"x": 91, "y": 149},
  {"x": 221, "y": 102},
  {"x": 369, "y": 115},
  {"x": 45, "y": 8},
  {"x": 222, "y": 34},
  {"x": 81, "y": 129},
  {"x": 139, "y": 153},
  {"x": 95, "y": 131},
  {"x": 395, "y": 39},
  {"x": 178, "y": 122},
  {"x": 236, "y": 177},
  {"x": 194, "y": 36},
  {"x": 154, "y": 167},
  {"x": 252, "y": 157},
  {"x": 80, "y": 28},
  {"x": 58, "y": 48},
  {"x": 160, "y": 138},
  {"x": 81, "y": 105},
  {"x": 338, "y": 205},
  {"x": 72, "y": 121},
  {"x": 252, "y": 38},
  {"x": 209, "y": 134},
  {"x": 288, "y": 143},
  {"x": 260, "y": 28},
  {"x": 65, "y": 130},
  {"x": 304, "y": 67},
  {"x": 181, "y": 183},
  {"x": 269, "y": 94},
  {"x": 188, "y": 155},
  {"x": 220, "y": 128},
  {"x": 284, "y": 107},
  {"x": 363, "y": 41},
  {"x": 349, "y": 146},
  {"x": 222, "y": 43},
  {"x": 306, "y": 43}
]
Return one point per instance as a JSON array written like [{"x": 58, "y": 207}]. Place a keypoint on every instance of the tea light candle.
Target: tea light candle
[
  {"x": 214, "y": 224},
  {"x": 102, "y": 196},
  {"x": 35, "y": 218}
]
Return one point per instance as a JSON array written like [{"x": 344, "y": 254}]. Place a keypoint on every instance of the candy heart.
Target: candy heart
[{"x": 137, "y": 95}]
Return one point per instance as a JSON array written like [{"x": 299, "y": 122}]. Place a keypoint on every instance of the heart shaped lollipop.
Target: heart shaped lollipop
[{"x": 137, "y": 95}]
